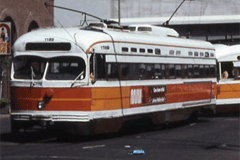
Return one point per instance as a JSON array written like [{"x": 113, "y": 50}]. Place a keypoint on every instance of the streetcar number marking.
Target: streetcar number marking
[{"x": 136, "y": 96}]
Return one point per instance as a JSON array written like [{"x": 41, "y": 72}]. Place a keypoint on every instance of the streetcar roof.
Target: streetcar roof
[
  {"x": 227, "y": 53},
  {"x": 83, "y": 39}
]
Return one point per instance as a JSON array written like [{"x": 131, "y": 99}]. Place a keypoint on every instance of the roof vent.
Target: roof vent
[{"x": 154, "y": 30}]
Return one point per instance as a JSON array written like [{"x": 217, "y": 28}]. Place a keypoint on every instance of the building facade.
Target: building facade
[
  {"x": 217, "y": 21},
  {"x": 24, "y": 16}
]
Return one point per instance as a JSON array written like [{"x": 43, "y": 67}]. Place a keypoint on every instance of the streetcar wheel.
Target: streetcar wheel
[
  {"x": 193, "y": 117},
  {"x": 14, "y": 127}
]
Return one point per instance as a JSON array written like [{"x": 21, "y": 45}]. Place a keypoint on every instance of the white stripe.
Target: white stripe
[{"x": 86, "y": 116}]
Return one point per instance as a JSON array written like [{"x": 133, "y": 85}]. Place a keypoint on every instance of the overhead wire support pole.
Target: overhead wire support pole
[
  {"x": 167, "y": 22},
  {"x": 119, "y": 12}
]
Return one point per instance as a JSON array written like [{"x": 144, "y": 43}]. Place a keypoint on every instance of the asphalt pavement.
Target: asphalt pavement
[{"x": 211, "y": 138}]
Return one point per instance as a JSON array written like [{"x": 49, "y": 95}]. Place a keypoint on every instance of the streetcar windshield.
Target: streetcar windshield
[
  {"x": 66, "y": 68},
  {"x": 27, "y": 67}
]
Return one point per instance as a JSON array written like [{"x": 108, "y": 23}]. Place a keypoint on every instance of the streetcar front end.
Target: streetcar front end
[{"x": 49, "y": 84}]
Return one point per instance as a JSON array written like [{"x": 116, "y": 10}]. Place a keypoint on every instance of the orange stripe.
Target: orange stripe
[
  {"x": 163, "y": 45},
  {"x": 55, "y": 99},
  {"x": 196, "y": 92},
  {"x": 228, "y": 91},
  {"x": 109, "y": 98}
]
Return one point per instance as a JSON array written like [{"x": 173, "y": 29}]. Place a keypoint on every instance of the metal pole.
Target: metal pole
[{"x": 119, "y": 13}]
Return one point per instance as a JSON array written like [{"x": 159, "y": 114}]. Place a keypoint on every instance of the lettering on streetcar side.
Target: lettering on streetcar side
[{"x": 147, "y": 95}]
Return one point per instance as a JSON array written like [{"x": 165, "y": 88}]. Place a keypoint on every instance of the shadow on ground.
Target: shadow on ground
[{"x": 38, "y": 135}]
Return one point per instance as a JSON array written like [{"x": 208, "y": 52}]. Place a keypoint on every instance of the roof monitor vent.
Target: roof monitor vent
[{"x": 153, "y": 30}]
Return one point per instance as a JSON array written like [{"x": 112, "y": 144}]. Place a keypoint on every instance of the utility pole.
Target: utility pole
[{"x": 119, "y": 13}]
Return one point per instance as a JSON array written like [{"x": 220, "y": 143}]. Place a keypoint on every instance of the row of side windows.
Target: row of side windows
[
  {"x": 157, "y": 51},
  {"x": 133, "y": 71},
  {"x": 136, "y": 71}
]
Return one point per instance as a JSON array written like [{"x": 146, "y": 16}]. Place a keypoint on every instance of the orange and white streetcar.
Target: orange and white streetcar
[{"x": 91, "y": 80}]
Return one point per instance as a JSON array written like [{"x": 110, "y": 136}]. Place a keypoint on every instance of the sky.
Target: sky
[{"x": 99, "y": 8}]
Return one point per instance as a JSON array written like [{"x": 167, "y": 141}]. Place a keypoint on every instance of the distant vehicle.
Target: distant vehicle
[
  {"x": 228, "y": 84},
  {"x": 137, "y": 152}
]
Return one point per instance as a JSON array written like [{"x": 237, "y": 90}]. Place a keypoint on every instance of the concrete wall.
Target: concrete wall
[
  {"x": 165, "y": 8},
  {"x": 108, "y": 9}
]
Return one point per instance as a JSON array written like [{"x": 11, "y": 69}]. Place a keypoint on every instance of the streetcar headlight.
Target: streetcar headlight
[{"x": 41, "y": 105}]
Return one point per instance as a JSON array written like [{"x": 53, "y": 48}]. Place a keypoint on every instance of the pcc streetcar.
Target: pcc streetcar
[
  {"x": 93, "y": 79},
  {"x": 228, "y": 85}
]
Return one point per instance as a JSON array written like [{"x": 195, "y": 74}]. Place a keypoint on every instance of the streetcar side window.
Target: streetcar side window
[
  {"x": 142, "y": 71},
  {"x": 149, "y": 50},
  {"x": 112, "y": 71},
  {"x": 158, "y": 71},
  {"x": 236, "y": 73},
  {"x": 178, "y": 53},
  {"x": 207, "y": 70},
  {"x": 201, "y": 71},
  {"x": 142, "y": 50},
  {"x": 100, "y": 66},
  {"x": 171, "y": 52},
  {"x": 225, "y": 66},
  {"x": 150, "y": 71},
  {"x": 133, "y": 49},
  {"x": 124, "y": 49},
  {"x": 125, "y": 71},
  {"x": 196, "y": 71},
  {"x": 136, "y": 71},
  {"x": 157, "y": 51},
  {"x": 163, "y": 71},
  {"x": 178, "y": 71},
  {"x": 171, "y": 71},
  {"x": 190, "y": 71},
  {"x": 213, "y": 71}
]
